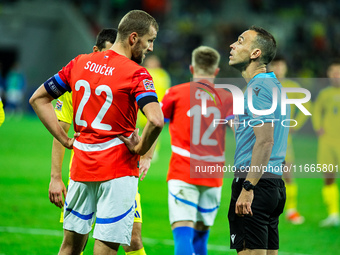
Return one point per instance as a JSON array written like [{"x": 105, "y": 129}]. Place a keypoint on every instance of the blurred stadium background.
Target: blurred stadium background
[{"x": 42, "y": 36}]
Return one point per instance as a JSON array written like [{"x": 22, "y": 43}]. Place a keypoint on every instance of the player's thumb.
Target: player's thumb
[
  {"x": 136, "y": 132},
  {"x": 122, "y": 138},
  {"x": 64, "y": 193}
]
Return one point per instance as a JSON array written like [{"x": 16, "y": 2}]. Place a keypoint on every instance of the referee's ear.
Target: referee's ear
[{"x": 256, "y": 53}]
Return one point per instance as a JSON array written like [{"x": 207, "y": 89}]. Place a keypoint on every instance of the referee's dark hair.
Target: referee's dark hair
[
  {"x": 106, "y": 34},
  {"x": 266, "y": 42}
]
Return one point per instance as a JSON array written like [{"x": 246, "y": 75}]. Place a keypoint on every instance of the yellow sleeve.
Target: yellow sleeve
[
  {"x": 317, "y": 111},
  {"x": 2, "y": 113},
  {"x": 296, "y": 113},
  {"x": 64, "y": 108},
  {"x": 161, "y": 80},
  {"x": 301, "y": 118}
]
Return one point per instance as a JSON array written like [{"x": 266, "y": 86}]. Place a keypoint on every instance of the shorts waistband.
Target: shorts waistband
[{"x": 266, "y": 175}]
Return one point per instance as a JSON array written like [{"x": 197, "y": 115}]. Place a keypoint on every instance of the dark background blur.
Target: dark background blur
[{"x": 42, "y": 36}]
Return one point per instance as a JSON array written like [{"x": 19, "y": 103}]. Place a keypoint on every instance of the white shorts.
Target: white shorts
[
  {"x": 111, "y": 203},
  {"x": 189, "y": 202}
]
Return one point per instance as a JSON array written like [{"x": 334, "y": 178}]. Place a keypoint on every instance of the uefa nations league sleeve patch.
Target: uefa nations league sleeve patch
[
  {"x": 59, "y": 105},
  {"x": 148, "y": 84}
]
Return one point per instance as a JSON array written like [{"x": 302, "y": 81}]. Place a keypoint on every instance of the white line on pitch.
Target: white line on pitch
[{"x": 150, "y": 241}]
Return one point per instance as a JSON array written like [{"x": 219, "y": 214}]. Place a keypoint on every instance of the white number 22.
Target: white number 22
[{"x": 97, "y": 122}]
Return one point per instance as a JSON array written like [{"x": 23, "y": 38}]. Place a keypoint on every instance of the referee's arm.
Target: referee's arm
[{"x": 260, "y": 157}]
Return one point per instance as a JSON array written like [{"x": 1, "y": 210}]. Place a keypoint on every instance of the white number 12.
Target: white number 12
[{"x": 195, "y": 112}]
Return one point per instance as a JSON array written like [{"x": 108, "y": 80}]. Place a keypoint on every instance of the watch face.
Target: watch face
[{"x": 248, "y": 186}]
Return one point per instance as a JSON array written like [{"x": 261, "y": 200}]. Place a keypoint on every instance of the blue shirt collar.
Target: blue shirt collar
[{"x": 263, "y": 75}]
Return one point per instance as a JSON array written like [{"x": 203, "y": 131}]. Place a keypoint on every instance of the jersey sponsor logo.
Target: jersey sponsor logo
[
  {"x": 232, "y": 237},
  {"x": 137, "y": 215},
  {"x": 97, "y": 68},
  {"x": 257, "y": 91},
  {"x": 176, "y": 196},
  {"x": 59, "y": 105},
  {"x": 148, "y": 84}
]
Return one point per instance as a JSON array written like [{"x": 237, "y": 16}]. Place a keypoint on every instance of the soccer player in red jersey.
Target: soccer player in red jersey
[
  {"x": 194, "y": 197},
  {"x": 107, "y": 90},
  {"x": 64, "y": 112}
]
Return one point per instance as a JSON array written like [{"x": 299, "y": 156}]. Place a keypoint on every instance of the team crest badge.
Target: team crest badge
[{"x": 148, "y": 84}]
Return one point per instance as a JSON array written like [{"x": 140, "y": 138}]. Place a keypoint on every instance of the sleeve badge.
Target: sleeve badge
[
  {"x": 59, "y": 105},
  {"x": 148, "y": 84}
]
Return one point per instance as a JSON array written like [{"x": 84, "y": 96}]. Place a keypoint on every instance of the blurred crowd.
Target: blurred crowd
[{"x": 307, "y": 32}]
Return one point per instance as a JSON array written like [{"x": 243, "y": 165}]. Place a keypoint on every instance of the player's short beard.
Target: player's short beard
[{"x": 137, "y": 53}]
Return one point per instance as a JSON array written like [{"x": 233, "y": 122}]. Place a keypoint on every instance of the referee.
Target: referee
[{"x": 258, "y": 191}]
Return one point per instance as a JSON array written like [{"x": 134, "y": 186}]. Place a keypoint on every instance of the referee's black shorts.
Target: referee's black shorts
[{"x": 259, "y": 231}]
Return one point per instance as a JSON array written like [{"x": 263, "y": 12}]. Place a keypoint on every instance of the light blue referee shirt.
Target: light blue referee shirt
[{"x": 262, "y": 98}]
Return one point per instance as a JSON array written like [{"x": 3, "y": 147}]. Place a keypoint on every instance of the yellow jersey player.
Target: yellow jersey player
[
  {"x": 326, "y": 123},
  {"x": 280, "y": 68},
  {"x": 64, "y": 112},
  {"x": 2, "y": 113}
]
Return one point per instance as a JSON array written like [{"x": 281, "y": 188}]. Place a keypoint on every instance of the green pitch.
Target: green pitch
[{"x": 30, "y": 223}]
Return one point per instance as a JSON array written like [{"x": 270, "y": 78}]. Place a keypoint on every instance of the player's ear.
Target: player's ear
[
  {"x": 217, "y": 70},
  {"x": 95, "y": 48},
  {"x": 191, "y": 68},
  {"x": 133, "y": 38},
  {"x": 256, "y": 53}
]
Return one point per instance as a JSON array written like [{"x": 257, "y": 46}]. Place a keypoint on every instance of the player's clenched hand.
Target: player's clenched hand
[
  {"x": 144, "y": 166},
  {"x": 56, "y": 191},
  {"x": 132, "y": 141},
  {"x": 243, "y": 203}
]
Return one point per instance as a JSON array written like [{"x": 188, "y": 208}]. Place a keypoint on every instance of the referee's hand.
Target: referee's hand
[{"x": 243, "y": 203}]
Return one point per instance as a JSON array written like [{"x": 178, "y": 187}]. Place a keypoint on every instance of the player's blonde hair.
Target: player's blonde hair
[
  {"x": 135, "y": 21},
  {"x": 205, "y": 60}
]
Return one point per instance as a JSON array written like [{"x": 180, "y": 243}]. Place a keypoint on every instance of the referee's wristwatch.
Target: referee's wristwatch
[{"x": 247, "y": 185}]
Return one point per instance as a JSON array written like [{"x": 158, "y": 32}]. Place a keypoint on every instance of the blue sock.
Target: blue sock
[
  {"x": 201, "y": 242},
  {"x": 183, "y": 237}
]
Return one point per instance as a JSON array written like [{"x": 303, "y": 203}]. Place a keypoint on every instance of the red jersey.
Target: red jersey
[
  {"x": 195, "y": 139},
  {"x": 106, "y": 88}
]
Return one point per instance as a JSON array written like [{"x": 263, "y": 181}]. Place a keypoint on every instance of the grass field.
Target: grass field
[{"x": 29, "y": 223}]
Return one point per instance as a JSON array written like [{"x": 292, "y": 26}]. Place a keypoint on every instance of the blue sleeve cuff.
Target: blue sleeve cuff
[
  {"x": 145, "y": 95},
  {"x": 61, "y": 83}
]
